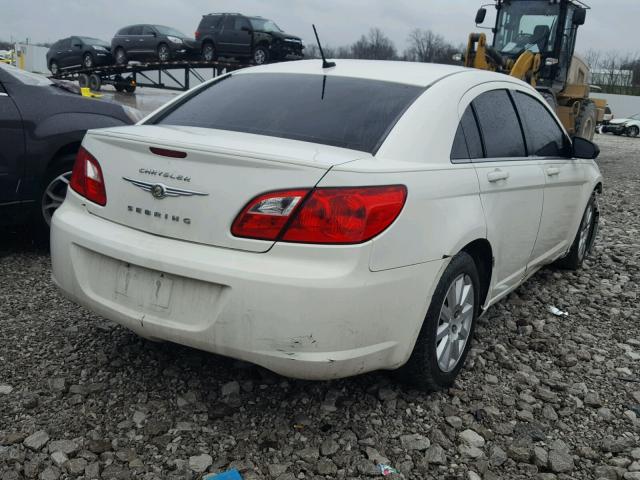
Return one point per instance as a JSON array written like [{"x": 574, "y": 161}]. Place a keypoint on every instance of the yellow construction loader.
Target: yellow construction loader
[{"x": 534, "y": 40}]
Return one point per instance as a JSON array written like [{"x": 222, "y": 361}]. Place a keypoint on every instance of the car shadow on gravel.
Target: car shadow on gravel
[{"x": 19, "y": 240}]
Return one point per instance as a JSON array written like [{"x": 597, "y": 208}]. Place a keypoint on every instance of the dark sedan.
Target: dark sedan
[
  {"x": 41, "y": 127},
  {"x": 78, "y": 52},
  {"x": 151, "y": 43}
]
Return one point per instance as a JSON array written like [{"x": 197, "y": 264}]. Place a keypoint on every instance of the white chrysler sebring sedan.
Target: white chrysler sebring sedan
[{"x": 326, "y": 222}]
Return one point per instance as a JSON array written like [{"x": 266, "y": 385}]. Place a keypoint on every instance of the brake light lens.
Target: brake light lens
[
  {"x": 324, "y": 216},
  {"x": 87, "y": 179},
  {"x": 197, "y": 35},
  {"x": 264, "y": 217}
]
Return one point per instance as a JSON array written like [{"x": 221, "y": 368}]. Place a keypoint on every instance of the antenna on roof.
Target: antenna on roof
[{"x": 325, "y": 64}]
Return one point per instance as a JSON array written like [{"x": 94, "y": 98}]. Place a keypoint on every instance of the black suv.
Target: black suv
[
  {"x": 239, "y": 36},
  {"x": 78, "y": 52},
  {"x": 151, "y": 42}
]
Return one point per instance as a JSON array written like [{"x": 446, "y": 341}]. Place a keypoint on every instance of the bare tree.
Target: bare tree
[
  {"x": 374, "y": 46},
  {"x": 427, "y": 46}
]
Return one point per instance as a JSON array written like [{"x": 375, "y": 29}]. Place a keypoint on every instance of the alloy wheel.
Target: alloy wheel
[
  {"x": 54, "y": 195},
  {"x": 454, "y": 323},
  {"x": 634, "y": 131},
  {"x": 259, "y": 57},
  {"x": 208, "y": 53},
  {"x": 163, "y": 53},
  {"x": 120, "y": 57},
  {"x": 585, "y": 231},
  {"x": 88, "y": 61},
  {"x": 54, "y": 68}
]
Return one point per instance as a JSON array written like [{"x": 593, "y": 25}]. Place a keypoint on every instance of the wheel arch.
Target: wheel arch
[
  {"x": 482, "y": 253},
  {"x": 60, "y": 154}
]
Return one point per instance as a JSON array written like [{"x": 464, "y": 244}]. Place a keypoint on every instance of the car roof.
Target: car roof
[{"x": 410, "y": 73}]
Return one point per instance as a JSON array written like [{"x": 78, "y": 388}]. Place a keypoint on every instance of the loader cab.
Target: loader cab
[{"x": 547, "y": 27}]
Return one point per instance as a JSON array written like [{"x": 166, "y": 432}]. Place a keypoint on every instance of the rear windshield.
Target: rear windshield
[{"x": 339, "y": 111}]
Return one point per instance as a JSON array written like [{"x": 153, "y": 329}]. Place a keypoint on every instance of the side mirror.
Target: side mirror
[
  {"x": 480, "y": 15},
  {"x": 583, "y": 148},
  {"x": 247, "y": 29},
  {"x": 579, "y": 16}
]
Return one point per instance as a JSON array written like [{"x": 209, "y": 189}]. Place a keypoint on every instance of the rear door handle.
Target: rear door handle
[
  {"x": 551, "y": 171},
  {"x": 497, "y": 175}
]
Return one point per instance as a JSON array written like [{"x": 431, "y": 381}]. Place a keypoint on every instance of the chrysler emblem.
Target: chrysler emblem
[{"x": 159, "y": 190}]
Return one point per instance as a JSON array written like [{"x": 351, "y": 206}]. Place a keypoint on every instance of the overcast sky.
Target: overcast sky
[{"x": 340, "y": 22}]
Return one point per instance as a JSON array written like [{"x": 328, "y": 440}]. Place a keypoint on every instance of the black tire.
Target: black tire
[
  {"x": 209, "y": 53},
  {"x": 633, "y": 131},
  {"x": 50, "y": 194},
  {"x": 576, "y": 256},
  {"x": 54, "y": 68},
  {"x": 586, "y": 120},
  {"x": 87, "y": 61},
  {"x": 120, "y": 56},
  {"x": 260, "y": 55},
  {"x": 83, "y": 80},
  {"x": 423, "y": 369},
  {"x": 95, "y": 82},
  {"x": 164, "y": 53}
]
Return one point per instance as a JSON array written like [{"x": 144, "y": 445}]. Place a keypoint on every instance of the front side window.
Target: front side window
[
  {"x": 526, "y": 25},
  {"x": 499, "y": 125},
  {"x": 264, "y": 25},
  {"x": 344, "y": 112},
  {"x": 544, "y": 136}
]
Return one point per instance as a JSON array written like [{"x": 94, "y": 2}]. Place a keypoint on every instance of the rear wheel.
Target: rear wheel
[
  {"x": 585, "y": 237},
  {"x": 54, "y": 68},
  {"x": 586, "y": 120},
  {"x": 83, "y": 80},
  {"x": 95, "y": 82},
  {"x": 164, "y": 53},
  {"x": 260, "y": 55},
  {"x": 209, "y": 52},
  {"x": 633, "y": 131},
  {"x": 121, "y": 56},
  {"x": 87, "y": 61},
  {"x": 445, "y": 337}
]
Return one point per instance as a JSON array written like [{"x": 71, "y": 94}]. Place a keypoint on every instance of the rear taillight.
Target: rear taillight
[
  {"x": 197, "y": 35},
  {"x": 87, "y": 179},
  {"x": 325, "y": 216}
]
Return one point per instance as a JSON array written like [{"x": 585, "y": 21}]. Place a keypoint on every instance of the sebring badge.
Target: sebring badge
[{"x": 159, "y": 190}]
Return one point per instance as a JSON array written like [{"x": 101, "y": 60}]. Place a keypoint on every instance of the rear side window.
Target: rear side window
[
  {"x": 467, "y": 143},
  {"x": 135, "y": 30},
  {"x": 499, "y": 125},
  {"x": 123, "y": 31},
  {"x": 339, "y": 111},
  {"x": 544, "y": 136},
  {"x": 210, "y": 21}
]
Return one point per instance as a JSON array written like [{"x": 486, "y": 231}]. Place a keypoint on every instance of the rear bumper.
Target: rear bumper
[{"x": 301, "y": 311}]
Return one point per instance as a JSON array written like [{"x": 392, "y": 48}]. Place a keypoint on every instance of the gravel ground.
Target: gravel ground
[{"x": 541, "y": 396}]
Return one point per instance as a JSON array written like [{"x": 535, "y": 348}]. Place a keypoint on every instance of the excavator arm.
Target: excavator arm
[{"x": 480, "y": 55}]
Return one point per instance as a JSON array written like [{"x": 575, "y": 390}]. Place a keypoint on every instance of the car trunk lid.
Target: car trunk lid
[{"x": 196, "y": 198}]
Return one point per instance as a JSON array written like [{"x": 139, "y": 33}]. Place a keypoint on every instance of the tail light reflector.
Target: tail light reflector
[
  {"x": 197, "y": 35},
  {"x": 87, "y": 179},
  {"x": 323, "y": 216}
]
